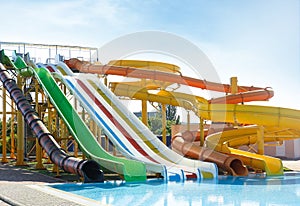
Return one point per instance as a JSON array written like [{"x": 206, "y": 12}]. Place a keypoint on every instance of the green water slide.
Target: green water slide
[
  {"x": 130, "y": 170},
  {"x": 18, "y": 64}
]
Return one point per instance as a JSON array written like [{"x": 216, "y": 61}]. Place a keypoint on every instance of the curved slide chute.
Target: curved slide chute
[
  {"x": 269, "y": 117},
  {"x": 213, "y": 110},
  {"x": 130, "y": 89},
  {"x": 227, "y": 141},
  {"x": 86, "y": 67},
  {"x": 88, "y": 169},
  {"x": 274, "y": 117},
  {"x": 232, "y": 165}
]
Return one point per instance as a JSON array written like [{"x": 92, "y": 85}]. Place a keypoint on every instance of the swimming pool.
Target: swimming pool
[{"x": 230, "y": 191}]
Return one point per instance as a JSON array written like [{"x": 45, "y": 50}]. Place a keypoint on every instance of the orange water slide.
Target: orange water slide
[
  {"x": 183, "y": 143},
  {"x": 256, "y": 95},
  {"x": 133, "y": 72},
  {"x": 244, "y": 94}
]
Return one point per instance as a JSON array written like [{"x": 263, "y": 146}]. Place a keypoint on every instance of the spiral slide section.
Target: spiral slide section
[
  {"x": 88, "y": 169},
  {"x": 232, "y": 165},
  {"x": 281, "y": 119},
  {"x": 227, "y": 141},
  {"x": 273, "y": 119},
  {"x": 139, "y": 140}
]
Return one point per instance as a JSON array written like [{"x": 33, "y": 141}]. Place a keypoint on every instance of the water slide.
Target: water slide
[
  {"x": 105, "y": 123},
  {"x": 126, "y": 131},
  {"x": 280, "y": 122},
  {"x": 135, "y": 87},
  {"x": 88, "y": 169},
  {"x": 130, "y": 170},
  {"x": 227, "y": 141},
  {"x": 279, "y": 118},
  {"x": 117, "y": 68},
  {"x": 182, "y": 142}
]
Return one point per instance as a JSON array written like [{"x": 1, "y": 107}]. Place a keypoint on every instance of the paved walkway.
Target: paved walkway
[
  {"x": 292, "y": 164},
  {"x": 19, "y": 187}
]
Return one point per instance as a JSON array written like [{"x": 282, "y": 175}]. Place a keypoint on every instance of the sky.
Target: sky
[{"x": 258, "y": 41}]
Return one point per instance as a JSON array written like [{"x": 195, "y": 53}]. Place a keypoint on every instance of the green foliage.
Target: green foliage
[
  {"x": 8, "y": 133},
  {"x": 8, "y": 127},
  {"x": 8, "y": 145},
  {"x": 155, "y": 123}
]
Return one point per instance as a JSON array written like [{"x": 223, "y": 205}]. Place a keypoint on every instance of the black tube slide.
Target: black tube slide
[{"x": 88, "y": 169}]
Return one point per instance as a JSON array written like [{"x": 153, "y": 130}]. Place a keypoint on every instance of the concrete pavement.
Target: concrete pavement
[{"x": 24, "y": 187}]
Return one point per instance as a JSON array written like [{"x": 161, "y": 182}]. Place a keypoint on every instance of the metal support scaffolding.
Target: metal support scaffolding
[
  {"x": 4, "y": 158},
  {"x": 12, "y": 131},
  {"x": 20, "y": 131},
  {"x": 260, "y": 140},
  {"x": 38, "y": 148},
  {"x": 144, "y": 112},
  {"x": 164, "y": 123}
]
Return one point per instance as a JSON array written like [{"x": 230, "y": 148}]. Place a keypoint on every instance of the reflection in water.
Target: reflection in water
[
  {"x": 251, "y": 190},
  {"x": 261, "y": 179}
]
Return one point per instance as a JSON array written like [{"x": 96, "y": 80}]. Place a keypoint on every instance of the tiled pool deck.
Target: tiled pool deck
[{"x": 17, "y": 187}]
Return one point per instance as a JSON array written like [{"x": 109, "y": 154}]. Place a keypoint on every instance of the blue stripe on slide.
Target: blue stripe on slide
[{"x": 98, "y": 116}]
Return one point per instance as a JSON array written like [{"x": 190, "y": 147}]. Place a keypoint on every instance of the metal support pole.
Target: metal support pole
[
  {"x": 188, "y": 121},
  {"x": 164, "y": 123},
  {"x": 12, "y": 131},
  {"x": 38, "y": 151},
  {"x": 4, "y": 158},
  {"x": 260, "y": 140},
  {"x": 99, "y": 134},
  {"x": 106, "y": 144},
  {"x": 20, "y": 132},
  {"x": 201, "y": 128},
  {"x": 50, "y": 123},
  {"x": 64, "y": 127},
  {"x": 75, "y": 149},
  {"x": 55, "y": 168},
  {"x": 233, "y": 84},
  {"x": 105, "y": 80},
  {"x": 144, "y": 112},
  {"x": 234, "y": 90}
]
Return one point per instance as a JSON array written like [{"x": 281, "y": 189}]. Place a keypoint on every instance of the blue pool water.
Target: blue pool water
[{"x": 230, "y": 191}]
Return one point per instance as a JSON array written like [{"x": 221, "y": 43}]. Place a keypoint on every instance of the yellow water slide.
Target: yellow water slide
[
  {"x": 269, "y": 123},
  {"x": 227, "y": 141}
]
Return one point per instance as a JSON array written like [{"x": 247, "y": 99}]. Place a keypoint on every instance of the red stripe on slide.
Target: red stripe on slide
[{"x": 117, "y": 124}]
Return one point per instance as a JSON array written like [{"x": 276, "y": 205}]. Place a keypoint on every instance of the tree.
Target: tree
[
  {"x": 155, "y": 123},
  {"x": 8, "y": 132},
  {"x": 8, "y": 127}
]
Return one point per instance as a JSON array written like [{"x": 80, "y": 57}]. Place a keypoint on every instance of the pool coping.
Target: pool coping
[{"x": 46, "y": 188}]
